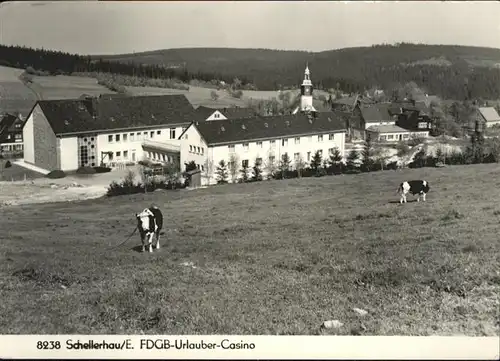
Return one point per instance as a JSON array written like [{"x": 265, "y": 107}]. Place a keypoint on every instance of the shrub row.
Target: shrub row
[{"x": 126, "y": 187}]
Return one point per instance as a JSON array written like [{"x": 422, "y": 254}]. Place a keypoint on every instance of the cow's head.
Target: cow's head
[{"x": 144, "y": 218}]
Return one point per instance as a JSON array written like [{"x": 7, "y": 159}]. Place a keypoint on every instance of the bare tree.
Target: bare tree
[
  {"x": 270, "y": 166},
  {"x": 214, "y": 95},
  {"x": 208, "y": 170},
  {"x": 300, "y": 165},
  {"x": 233, "y": 167}
]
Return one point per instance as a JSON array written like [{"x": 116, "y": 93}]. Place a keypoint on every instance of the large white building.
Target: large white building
[
  {"x": 69, "y": 134},
  {"x": 261, "y": 139}
]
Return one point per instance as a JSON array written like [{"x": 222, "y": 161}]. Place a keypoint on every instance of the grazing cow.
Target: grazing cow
[
  {"x": 420, "y": 187},
  {"x": 150, "y": 223}
]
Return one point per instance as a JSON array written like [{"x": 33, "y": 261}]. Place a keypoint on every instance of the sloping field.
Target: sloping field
[
  {"x": 67, "y": 87},
  {"x": 277, "y": 257},
  {"x": 196, "y": 95},
  {"x": 14, "y": 95},
  {"x": 201, "y": 96}
]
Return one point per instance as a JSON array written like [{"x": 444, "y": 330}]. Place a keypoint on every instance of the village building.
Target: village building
[
  {"x": 69, "y": 134},
  {"x": 265, "y": 140},
  {"x": 208, "y": 114},
  {"x": 11, "y": 134},
  {"x": 390, "y": 121},
  {"x": 489, "y": 116}
]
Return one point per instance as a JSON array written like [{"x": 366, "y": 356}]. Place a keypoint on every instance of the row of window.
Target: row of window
[
  {"x": 125, "y": 137},
  {"x": 296, "y": 157},
  {"x": 284, "y": 142},
  {"x": 11, "y": 147},
  {"x": 121, "y": 155},
  {"x": 18, "y": 137},
  {"x": 160, "y": 157},
  {"x": 196, "y": 150},
  {"x": 400, "y": 136}
]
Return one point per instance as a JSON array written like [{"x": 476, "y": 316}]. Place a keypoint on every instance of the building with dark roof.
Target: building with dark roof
[
  {"x": 413, "y": 117},
  {"x": 11, "y": 133},
  {"x": 69, "y": 134},
  {"x": 245, "y": 141}
]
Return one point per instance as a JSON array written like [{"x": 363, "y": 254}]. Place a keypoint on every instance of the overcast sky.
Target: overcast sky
[{"x": 122, "y": 27}]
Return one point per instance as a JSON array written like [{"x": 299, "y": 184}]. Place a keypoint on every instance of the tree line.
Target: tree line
[
  {"x": 352, "y": 70},
  {"x": 48, "y": 62}
]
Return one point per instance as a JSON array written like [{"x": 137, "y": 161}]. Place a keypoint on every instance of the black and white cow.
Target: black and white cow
[
  {"x": 150, "y": 224},
  {"x": 420, "y": 187}
]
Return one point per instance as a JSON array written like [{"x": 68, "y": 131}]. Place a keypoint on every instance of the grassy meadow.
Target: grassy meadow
[
  {"x": 67, "y": 87},
  {"x": 273, "y": 257},
  {"x": 14, "y": 95}
]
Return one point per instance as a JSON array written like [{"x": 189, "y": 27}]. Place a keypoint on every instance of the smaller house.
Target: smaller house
[
  {"x": 193, "y": 178},
  {"x": 393, "y": 133},
  {"x": 208, "y": 114},
  {"x": 489, "y": 116},
  {"x": 11, "y": 133},
  {"x": 377, "y": 114},
  {"x": 387, "y": 133}
]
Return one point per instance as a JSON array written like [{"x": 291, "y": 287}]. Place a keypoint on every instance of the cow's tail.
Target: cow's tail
[{"x": 400, "y": 189}]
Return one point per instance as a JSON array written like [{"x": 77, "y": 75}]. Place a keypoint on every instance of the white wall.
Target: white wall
[
  {"x": 216, "y": 116},
  {"x": 29, "y": 139},
  {"x": 394, "y": 137},
  {"x": 193, "y": 148},
  {"x": 492, "y": 123},
  {"x": 68, "y": 151},
  {"x": 265, "y": 149},
  {"x": 133, "y": 145}
]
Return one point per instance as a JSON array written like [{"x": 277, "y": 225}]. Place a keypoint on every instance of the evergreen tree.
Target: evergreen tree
[
  {"x": 244, "y": 172},
  {"x": 257, "y": 170},
  {"x": 335, "y": 161},
  {"x": 316, "y": 162},
  {"x": 285, "y": 165},
  {"x": 367, "y": 162},
  {"x": 351, "y": 161},
  {"x": 221, "y": 172}
]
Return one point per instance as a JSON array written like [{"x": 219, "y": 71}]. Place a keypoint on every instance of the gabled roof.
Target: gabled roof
[
  {"x": 108, "y": 113},
  {"x": 252, "y": 129},
  {"x": 377, "y": 113},
  {"x": 230, "y": 113},
  {"x": 489, "y": 114}
]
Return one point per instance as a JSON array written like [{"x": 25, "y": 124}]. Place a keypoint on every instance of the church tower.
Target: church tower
[
  {"x": 306, "y": 90},
  {"x": 306, "y": 94}
]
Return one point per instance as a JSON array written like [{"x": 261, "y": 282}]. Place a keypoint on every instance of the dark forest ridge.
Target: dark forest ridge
[
  {"x": 439, "y": 69},
  {"x": 398, "y": 52},
  {"x": 442, "y": 70}
]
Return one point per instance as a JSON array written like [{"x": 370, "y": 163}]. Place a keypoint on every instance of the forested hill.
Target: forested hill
[{"x": 438, "y": 69}]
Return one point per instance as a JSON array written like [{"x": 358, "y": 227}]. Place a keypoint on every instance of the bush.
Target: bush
[
  {"x": 127, "y": 186},
  {"x": 102, "y": 169},
  {"x": 56, "y": 174},
  {"x": 8, "y": 164},
  {"x": 85, "y": 170}
]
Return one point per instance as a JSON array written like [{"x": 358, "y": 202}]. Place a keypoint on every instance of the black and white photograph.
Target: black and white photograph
[{"x": 250, "y": 168}]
